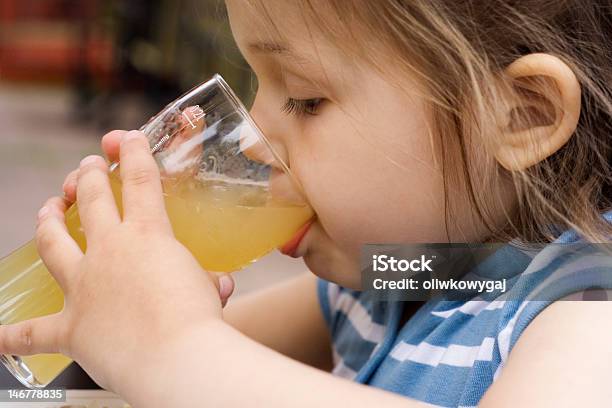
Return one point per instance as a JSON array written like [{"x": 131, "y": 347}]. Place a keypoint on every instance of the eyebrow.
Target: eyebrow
[
  {"x": 265, "y": 47},
  {"x": 281, "y": 50}
]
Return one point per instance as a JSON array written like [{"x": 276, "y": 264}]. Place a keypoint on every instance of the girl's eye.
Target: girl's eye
[{"x": 300, "y": 107}]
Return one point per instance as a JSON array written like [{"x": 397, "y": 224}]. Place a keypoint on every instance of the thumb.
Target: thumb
[{"x": 34, "y": 336}]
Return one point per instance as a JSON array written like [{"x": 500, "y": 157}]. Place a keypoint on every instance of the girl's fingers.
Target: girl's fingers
[
  {"x": 39, "y": 335},
  {"x": 58, "y": 250},
  {"x": 225, "y": 285},
  {"x": 69, "y": 186},
  {"x": 110, "y": 144},
  {"x": 58, "y": 204},
  {"x": 96, "y": 203},
  {"x": 142, "y": 189}
]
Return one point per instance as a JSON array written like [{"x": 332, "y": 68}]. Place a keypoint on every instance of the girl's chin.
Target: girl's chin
[{"x": 326, "y": 260}]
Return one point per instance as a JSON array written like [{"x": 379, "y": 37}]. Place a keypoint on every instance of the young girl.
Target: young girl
[{"x": 418, "y": 121}]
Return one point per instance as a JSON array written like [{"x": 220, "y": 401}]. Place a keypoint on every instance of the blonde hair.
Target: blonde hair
[{"x": 458, "y": 49}]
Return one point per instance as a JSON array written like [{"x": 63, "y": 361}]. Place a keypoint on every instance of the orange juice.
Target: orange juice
[{"x": 226, "y": 225}]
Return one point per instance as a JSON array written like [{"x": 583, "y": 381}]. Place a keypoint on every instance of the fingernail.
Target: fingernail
[
  {"x": 226, "y": 286},
  {"x": 42, "y": 212},
  {"x": 87, "y": 160}
]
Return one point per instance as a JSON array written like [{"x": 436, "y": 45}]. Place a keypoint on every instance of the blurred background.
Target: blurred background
[{"x": 71, "y": 70}]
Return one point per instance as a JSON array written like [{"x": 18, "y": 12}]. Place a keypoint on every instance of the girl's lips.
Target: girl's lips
[{"x": 291, "y": 246}]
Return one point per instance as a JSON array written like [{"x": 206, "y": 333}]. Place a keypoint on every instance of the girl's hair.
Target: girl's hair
[{"x": 458, "y": 49}]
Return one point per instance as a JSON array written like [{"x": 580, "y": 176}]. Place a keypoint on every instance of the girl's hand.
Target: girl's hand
[
  {"x": 134, "y": 289},
  {"x": 110, "y": 145}
]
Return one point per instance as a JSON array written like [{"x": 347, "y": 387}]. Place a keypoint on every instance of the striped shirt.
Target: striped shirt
[{"x": 450, "y": 352}]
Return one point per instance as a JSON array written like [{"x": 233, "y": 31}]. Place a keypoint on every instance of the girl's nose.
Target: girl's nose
[
  {"x": 258, "y": 147},
  {"x": 269, "y": 147},
  {"x": 266, "y": 147}
]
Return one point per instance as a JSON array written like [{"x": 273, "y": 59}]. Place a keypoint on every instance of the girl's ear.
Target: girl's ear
[{"x": 543, "y": 112}]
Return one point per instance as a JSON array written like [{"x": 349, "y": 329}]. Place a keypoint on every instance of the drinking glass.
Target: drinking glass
[{"x": 229, "y": 196}]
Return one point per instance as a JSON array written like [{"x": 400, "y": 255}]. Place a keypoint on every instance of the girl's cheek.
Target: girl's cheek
[{"x": 359, "y": 199}]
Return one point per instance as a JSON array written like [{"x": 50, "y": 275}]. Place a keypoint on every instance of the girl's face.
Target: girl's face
[{"x": 358, "y": 144}]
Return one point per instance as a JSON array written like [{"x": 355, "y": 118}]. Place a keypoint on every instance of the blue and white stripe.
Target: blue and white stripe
[{"x": 450, "y": 352}]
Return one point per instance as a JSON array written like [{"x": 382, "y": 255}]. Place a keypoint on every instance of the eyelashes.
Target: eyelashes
[{"x": 301, "y": 107}]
